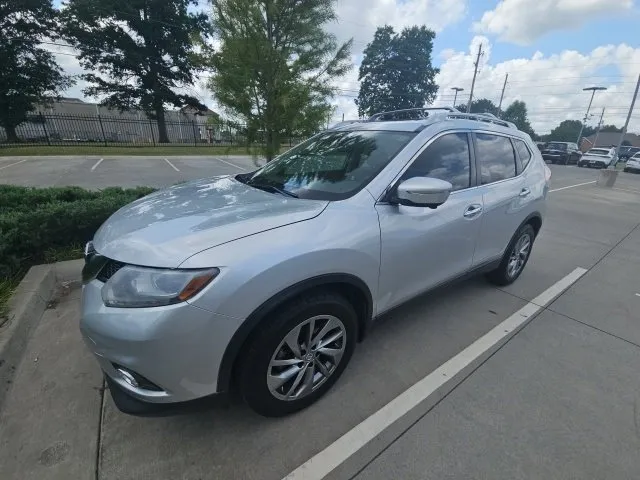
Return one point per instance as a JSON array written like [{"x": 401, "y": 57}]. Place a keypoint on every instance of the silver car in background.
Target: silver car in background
[{"x": 265, "y": 281}]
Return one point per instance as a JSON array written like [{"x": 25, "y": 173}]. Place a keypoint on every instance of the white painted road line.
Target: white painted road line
[
  {"x": 231, "y": 164},
  {"x": 12, "y": 164},
  {"x": 172, "y": 165},
  {"x": 358, "y": 437},
  {"x": 637, "y": 294},
  {"x": 571, "y": 186},
  {"x": 96, "y": 165}
]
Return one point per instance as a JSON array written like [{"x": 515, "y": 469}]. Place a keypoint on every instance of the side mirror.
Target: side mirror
[{"x": 423, "y": 192}]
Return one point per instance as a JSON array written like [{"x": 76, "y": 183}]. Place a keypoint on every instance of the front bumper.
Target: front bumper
[
  {"x": 178, "y": 348},
  {"x": 554, "y": 157}
]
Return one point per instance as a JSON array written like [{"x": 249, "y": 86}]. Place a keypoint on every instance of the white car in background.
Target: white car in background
[
  {"x": 598, "y": 158},
  {"x": 633, "y": 164}
]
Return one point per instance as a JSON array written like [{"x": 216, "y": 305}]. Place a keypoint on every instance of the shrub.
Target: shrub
[{"x": 34, "y": 222}]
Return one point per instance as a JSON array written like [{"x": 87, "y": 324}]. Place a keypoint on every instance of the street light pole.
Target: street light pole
[
  {"x": 593, "y": 91},
  {"x": 455, "y": 97}
]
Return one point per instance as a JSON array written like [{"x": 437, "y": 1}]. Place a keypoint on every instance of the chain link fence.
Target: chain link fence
[{"x": 68, "y": 130}]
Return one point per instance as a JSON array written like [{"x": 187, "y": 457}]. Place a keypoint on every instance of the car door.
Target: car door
[
  {"x": 423, "y": 247},
  {"x": 505, "y": 195}
]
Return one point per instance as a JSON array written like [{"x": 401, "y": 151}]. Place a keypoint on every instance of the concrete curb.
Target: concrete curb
[{"x": 26, "y": 306}]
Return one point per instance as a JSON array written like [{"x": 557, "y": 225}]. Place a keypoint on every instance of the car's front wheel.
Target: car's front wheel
[
  {"x": 515, "y": 258},
  {"x": 298, "y": 354}
]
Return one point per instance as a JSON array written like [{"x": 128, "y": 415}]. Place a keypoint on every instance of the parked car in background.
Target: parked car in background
[
  {"x": 598, "y": 158},
  {"x": 564, "y": 153},
  {"x": 627, "y": 152},
  {"x": 541, "y": 145},
  {"x": 633, "y": 164},
  {"x": 266, "y": 280}
]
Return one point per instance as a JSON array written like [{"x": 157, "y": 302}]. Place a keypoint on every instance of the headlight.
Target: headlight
[{"x": 132, "y": 287}]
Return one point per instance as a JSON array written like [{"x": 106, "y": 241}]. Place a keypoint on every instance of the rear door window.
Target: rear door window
[{"x": 496, "y": 158}]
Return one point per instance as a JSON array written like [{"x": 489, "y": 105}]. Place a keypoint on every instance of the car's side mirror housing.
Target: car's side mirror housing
[{"x": 423, "y": 192}]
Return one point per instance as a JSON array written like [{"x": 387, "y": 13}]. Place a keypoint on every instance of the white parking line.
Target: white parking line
[
  {"x": 351, "y": 442},
  {"x": 571, "y": 186},
  {"x": 96, "y": 165},
  {"x": 12, "y": 164},
  {"x": 172, "y": 165},
  {"x": 231, "y": 164}
]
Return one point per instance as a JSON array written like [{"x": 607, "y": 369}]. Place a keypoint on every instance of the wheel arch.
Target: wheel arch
[{"x": 355, "y": 289}]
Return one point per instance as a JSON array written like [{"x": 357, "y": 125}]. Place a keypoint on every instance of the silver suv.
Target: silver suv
[{"x": 265, "y": 281}]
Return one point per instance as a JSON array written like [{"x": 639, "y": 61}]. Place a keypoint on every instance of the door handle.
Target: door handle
[
  {"x": 473, "y": 210},
  {"x": 524, "y": 192}
]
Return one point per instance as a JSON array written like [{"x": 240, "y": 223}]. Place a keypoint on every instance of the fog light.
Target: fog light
[{"x": 127, "y": 377}]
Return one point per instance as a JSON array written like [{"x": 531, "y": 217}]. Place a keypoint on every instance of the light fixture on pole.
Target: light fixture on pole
[
  {"x": 455, "y": 97},
  {"x": 593, "y": 91}
]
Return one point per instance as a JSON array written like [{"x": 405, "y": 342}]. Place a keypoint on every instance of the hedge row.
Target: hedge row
[{"x": 34, "y": 221}]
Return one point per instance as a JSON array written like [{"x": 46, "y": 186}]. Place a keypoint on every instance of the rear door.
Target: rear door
[{"x": 504, "y": 193}]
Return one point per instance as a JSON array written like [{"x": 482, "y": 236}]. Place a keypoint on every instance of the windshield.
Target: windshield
[
  {"x": 557, "y": 146},
  {"x": 598, "y": 151},
  {"x": 330, "y": 166}
]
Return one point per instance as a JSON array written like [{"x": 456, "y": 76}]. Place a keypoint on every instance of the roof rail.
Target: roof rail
[
  {"x": 423, "y": 110},
  {"x": 482, "y": 117}
]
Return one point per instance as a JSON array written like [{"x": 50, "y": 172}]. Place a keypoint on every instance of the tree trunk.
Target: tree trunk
[
  {"x": 12, "y": 136},
  {"x": 163, "y": 137},
  {"x": 272, "y": 144}
]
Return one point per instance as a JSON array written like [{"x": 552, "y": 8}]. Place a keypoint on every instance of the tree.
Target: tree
[
  {"x": 396, "y": 71},
  {"x": 139, "y": 50},
  {"x": 29, "y": 75},
  {"x": 610, "y": 128},
  {"x": 568, "y": 130},
  {"x": 517, "y": 114},
  {"x": 481, "y": 105},
  {"x": 275, "y": 64},
  {"x": 626, "y": 143}
]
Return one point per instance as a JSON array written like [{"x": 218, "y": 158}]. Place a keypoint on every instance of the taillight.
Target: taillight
[{"x": 547, "y": 174}]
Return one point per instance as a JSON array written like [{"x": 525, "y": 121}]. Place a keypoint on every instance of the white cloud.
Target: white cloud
[
  {"x": 359, "y": 19},
  {"x": 551, "y": 86},
  {"x": 523, "y": 21}
]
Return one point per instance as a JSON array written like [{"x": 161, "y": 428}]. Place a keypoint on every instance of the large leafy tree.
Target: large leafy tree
[
  {"x": 517, "y": 113},
  {"x": 29, "y": 74},
  {"x": 396, "y": 71},
  {"x": 481, "y": 105},
  {"x": 140, "y": 52},
  {"x": 274, "y": 66},
  {"x": 568, "y": 130}
]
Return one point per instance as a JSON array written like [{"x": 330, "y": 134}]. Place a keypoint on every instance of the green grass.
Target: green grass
[
  {"x": 165, "y": 150},
  {"x": 72, "y": 252},
  {"x": 7, "y": 286}
]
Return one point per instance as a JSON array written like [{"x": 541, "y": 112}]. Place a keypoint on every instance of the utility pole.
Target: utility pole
[
  {"x": 475, "y": 73},
  {"x": 626, "y": 124},
  {"x": 595, "y": 141},
  {"x": 504, "y": 86},
  {"x": 593, "y": 91}
]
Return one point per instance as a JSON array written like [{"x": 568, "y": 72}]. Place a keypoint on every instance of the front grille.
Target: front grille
[{"x": 109, "y": 270}]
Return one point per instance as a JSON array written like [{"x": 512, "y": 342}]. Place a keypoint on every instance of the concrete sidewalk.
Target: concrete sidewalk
[{"x": 561, "y": 400}]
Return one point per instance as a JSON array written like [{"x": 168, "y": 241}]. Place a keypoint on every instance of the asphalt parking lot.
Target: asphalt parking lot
[
  {"x": 559, "y": 400},
  {"x": 100, "y": 172}
]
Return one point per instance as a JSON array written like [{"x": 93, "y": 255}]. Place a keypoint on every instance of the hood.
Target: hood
[{"x": 167, "y": 227}]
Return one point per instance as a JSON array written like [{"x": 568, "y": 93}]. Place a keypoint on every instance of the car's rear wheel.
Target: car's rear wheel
[
  {"x": 298, "y": 354},
  {"x": 515, "y": 258}
]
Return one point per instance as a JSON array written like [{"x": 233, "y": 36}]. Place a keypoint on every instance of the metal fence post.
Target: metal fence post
[
  {"x": 104, "y": 138},
  {"x": 195, "y": 138},
  {"x": 44, "y": 127},
  {"x": 153, "y": 137}
]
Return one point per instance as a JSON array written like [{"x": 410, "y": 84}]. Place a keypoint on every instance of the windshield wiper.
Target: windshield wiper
[{"x": 272, "y": 188}]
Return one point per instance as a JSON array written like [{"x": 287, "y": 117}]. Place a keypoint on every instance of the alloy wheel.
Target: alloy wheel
[
  {"x": 306, "y": 357},
  {"x": 519, "y": 255}
]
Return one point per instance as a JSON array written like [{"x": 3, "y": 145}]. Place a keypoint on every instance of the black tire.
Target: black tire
[
  {"x": 256, "y": 357},
  {"x": 501, "y": 276}
]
